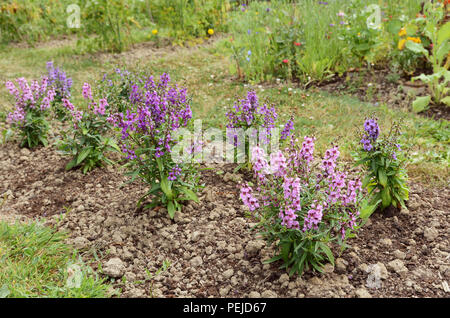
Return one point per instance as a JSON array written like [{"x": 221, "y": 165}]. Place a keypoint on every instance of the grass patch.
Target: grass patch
[{"x": 35, "y": 262}]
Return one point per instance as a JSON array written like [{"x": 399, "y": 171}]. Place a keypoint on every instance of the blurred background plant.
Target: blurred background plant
[{"x": 311, "y": 41}]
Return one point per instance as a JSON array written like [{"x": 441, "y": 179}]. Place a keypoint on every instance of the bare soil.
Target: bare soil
[{"x": 213, "y": 251}]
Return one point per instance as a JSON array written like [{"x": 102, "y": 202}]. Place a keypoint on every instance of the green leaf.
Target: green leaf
[
  {"x": 442, "y": 51},
  {"x": 171, "y": 209},
  {"x": 285, "y": 249},
  {"x": 190, "y": 194},
  {"x": 416, "y": 48},
  {"x": 421, "y": 103},
  {"x": 386, "y": 199},
  {"x": 443, "y": 33},
  {"x": 71, "y": 164},
  {"x": 367, "y": 209},
  {"x": 165, "y": 187},
  {"x": 83, "y": 154},
  {"x": 382, "y": 177},
  {"x": 273, "y": 259},
  {"x": 327, "y": 251},
  {"x": 446, "y": 100}
]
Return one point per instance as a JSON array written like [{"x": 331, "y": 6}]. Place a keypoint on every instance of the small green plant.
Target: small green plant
[
  {"x": 87, "y": 139},
  {"x": 386, "y": 178},
  {"x": 151, "y": 277},
  {"x": 439, "y": 37}
]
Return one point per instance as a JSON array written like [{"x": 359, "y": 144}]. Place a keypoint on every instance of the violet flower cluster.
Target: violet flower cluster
[
  {"x": 248, "y": 113},
  {"x": 34, "y": 96},
  {"x": 372, "y": 131},
  {"x": 159, "y": 110},
  {"x": 58, "y": 79},
  {"x": 302, "y": 196}
]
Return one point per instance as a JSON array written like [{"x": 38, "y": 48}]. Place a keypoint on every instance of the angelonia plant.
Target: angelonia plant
[
  {"x": 253, "y": 118},
  {"x": 117, "y": 86},
  {"x": 32, "y": 102},
  {"x": 158, "y": 110},
  {"x": 302, "y": 204},
  {"x": 87, "y": 140},
  {"x": 385, "y": 174},
  {"x": 62, "y": 84}
]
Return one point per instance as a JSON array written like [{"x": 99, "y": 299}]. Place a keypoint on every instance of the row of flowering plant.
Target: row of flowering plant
[
  {"x": 148, "y": 128},
  {"x": 248, "y": 113},
  {"x": 303, "y": 204},
  {"x": 32, "y": 102},
  {"x": 87, "y": 139},
  {"x": 382, "y": 157}
]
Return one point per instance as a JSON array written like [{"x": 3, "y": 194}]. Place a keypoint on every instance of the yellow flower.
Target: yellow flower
[
  {"x": 402, "y": 32},
  {"x": 154, "y": 32},
  {"x": 416, "y": 40},
  {"x": 210, "y": 31},
  {"x": 401, "y": 44}
]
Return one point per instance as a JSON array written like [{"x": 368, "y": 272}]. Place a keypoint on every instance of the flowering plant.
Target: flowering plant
[
  {"x": 302, "y": 204},
  {"x": 386, "y": 178},
  {"x": 62, "y": 84},
  {"x": 247, "y": 113},
  {"x": 31, "y": 105},
  {"x": 147, "y": 139},
  {"x": 117, "y": 86},
  {"x": 87, "y": 140}
]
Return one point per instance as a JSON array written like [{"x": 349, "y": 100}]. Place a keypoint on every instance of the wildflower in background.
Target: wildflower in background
[
  {"x": 285, "y": 61},
  {"x": 402, "y": 32},
  {"x": 414, "y": 39},
  {"x": 210, "y": 31},
  {"x": 297, "y": 43},
  {"x": 154, "y": 31},
  {"x": 401, "y": 44},
  {"x": 341, "y": 14}
]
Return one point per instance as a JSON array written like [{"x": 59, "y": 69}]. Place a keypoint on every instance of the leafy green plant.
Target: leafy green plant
[
  {"x": 87, "y": 139},
  {"x": 386, "y": 178},
  {"x": 439, "y": 37}
]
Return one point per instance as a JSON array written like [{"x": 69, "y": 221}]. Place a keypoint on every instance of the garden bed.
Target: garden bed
[
  {"x": 375, "y": 86},
  {"x": 210, "y": 245}
]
